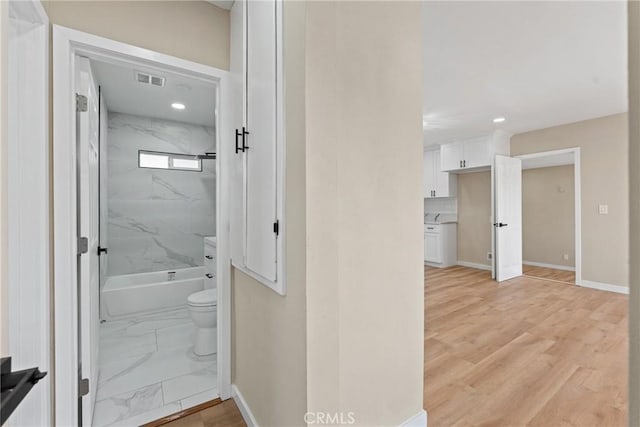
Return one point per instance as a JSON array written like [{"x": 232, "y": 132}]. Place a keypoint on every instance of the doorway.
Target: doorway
[
  {"x": 551, "y": 204},
  {"x": 137, "y": 134}
]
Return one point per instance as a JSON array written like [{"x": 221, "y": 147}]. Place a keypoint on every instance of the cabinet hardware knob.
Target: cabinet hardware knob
[
  {"x": 208, "y": 257},
  {"x": 209, "y": 276}
]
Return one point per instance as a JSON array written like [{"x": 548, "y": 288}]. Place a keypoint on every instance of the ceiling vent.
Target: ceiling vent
[{"x": 149, "y": 79}]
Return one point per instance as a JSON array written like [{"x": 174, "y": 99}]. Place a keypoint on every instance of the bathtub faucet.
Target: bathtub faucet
[{"x": 171, "y": 276}]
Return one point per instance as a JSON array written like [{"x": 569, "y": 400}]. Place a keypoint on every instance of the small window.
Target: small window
[{"x": 173, "y": 161}]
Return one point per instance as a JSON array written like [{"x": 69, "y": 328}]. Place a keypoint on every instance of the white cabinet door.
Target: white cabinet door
[
  {"x": 237, "y": 197},
  {"x": 432, "y": 247},
  {"x": 429, "y": 176},
  {"x": 445, "y": 181},
  {"x": 261, "y": 138},
  {"x": 451, "y": 156},
  {"x": 477, "y": 153}
]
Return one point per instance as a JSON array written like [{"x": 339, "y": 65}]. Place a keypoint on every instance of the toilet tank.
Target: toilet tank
[{"x": 210, "y": 263}]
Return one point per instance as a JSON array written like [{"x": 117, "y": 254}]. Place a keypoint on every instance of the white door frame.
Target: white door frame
[
  {"x": 28, "y": 203},
  {"x": 67, "y": 44},
  {"x": 577, "y": 203}
]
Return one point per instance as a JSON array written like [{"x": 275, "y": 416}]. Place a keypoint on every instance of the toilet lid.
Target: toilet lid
[{"x": 203, "y": 298}]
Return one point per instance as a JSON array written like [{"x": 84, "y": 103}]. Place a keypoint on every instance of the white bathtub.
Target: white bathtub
[{"x": 129, "y": 294}]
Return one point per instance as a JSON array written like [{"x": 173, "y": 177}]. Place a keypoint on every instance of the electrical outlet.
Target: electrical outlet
[
  {"x": 489, "y": 256},
  {"x": 565, "y": 257},
  {"x": 603, "y": 209}
]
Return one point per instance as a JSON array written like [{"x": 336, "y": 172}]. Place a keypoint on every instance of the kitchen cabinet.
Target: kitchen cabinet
[
  {"x": 474, "y": 154},
  {"x": 257, "y": 201},
  {"x": 437, "y": 183},
  {"x": 440, "y": 244}
]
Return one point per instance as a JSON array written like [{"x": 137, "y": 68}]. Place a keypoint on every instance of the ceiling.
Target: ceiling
[
  {"x": 536, "y": 63},
  {"x": 123, "y": 94}
]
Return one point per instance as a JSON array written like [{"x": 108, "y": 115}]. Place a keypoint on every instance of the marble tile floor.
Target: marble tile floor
[{"x": 148, "y": 370}]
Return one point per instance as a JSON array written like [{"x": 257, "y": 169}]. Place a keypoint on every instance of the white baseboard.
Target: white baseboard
[
  {"x": 249, "y": 419},
  {"x": 418, "y": 420},
  {"x": 474, "y": 265},
  {"x": 605, "y": 287},
  {"x": 554, "y": 266}
]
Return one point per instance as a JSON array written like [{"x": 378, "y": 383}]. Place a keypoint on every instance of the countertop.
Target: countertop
[{"x": 440, "y": 222}]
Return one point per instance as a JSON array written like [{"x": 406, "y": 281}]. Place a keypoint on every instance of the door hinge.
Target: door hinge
[
  {"x": 276, "y": 227},
  {"x": 83, "y": 245},
  {"x": 82, "y": 106},
  {"x": 83, "y": 387}
]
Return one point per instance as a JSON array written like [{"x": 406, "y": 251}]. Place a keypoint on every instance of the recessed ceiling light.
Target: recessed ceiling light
[
  {"x": 499, "y": 120},
  {"x": 178, "y": 106}
]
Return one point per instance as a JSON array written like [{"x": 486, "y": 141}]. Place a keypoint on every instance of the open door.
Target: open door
[
  {"x": 507, "y": 217},
  {"x": 87, "y": 122}
]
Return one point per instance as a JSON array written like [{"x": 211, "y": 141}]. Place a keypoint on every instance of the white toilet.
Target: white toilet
[{"x": 203, "y": 311}]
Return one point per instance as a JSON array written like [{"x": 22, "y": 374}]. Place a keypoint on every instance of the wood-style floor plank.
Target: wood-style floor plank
[
  {"x": 522, "y": 352},
  {"x": 549, "y": 273},
  {"x": 221, "y": 415}
]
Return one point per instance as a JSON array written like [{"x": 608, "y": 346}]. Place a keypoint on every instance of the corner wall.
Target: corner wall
[
  {"x": 365, "y": 289},
  {"x": 269, "y": 349},
  {"x": 548, "y": 215},
  {"x": 604, "y": 179}
]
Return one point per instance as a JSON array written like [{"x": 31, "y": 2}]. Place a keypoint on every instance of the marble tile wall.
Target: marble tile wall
[{"x": 157, "y": 218}]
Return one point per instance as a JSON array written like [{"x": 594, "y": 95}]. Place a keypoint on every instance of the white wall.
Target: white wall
[
  {"x": 157, "y": 218},
  {"x": 365, "y": 274}
]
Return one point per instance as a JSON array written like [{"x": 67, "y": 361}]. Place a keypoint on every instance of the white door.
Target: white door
[
  {"x": 87, "y": 123},
  {"x": 508, "y": 217},
  {"x": 429, "y": 176}
]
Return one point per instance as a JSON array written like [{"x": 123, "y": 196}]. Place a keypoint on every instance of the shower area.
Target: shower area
[
  {"x": 160, "y": 205},
  {"x": 156, "y": 350}
]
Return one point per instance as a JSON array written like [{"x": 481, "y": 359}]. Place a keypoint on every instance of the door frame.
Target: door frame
[
  {"x": 577, "y": 206},
  {"x": 26, "y": 208},
  {"x": 67, "y": 44}
]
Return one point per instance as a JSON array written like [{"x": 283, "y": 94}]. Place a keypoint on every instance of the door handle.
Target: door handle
[
  {"x": 209, "y": 276},
  {"x": 461, "y": 163},
  {"x": 244, "y": 134},
  {"x": 208, "y": 257},
  {"x": 464, "y": 163},
  {"x": 499, "y": 224},
  {"x": 102, "y": 251},
  {"x": 238, "y": 148}
]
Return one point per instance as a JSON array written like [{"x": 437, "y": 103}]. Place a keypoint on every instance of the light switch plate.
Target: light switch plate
[{"x": 603, "y": 209}]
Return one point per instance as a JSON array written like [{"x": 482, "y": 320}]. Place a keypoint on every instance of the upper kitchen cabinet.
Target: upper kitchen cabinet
[
  {"x": 474, "y": 154},
  {"x": 437, "y": 183},
  {"x": 257, "y": 192}
]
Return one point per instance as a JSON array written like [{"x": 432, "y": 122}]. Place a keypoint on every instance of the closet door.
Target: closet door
[{"x": 261, "y": 120}]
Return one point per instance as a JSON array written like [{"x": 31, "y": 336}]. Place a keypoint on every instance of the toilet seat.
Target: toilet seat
[{"x": 206, "y": 298}]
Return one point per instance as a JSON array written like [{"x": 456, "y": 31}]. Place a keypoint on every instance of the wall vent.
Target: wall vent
[{"x": 149, "y": 79}]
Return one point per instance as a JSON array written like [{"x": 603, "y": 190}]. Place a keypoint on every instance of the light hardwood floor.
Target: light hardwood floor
[
  {"x": 522, "y": 352},
  {"x": 549, "y": 273},
  {"x": 225, "y": 414}
]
